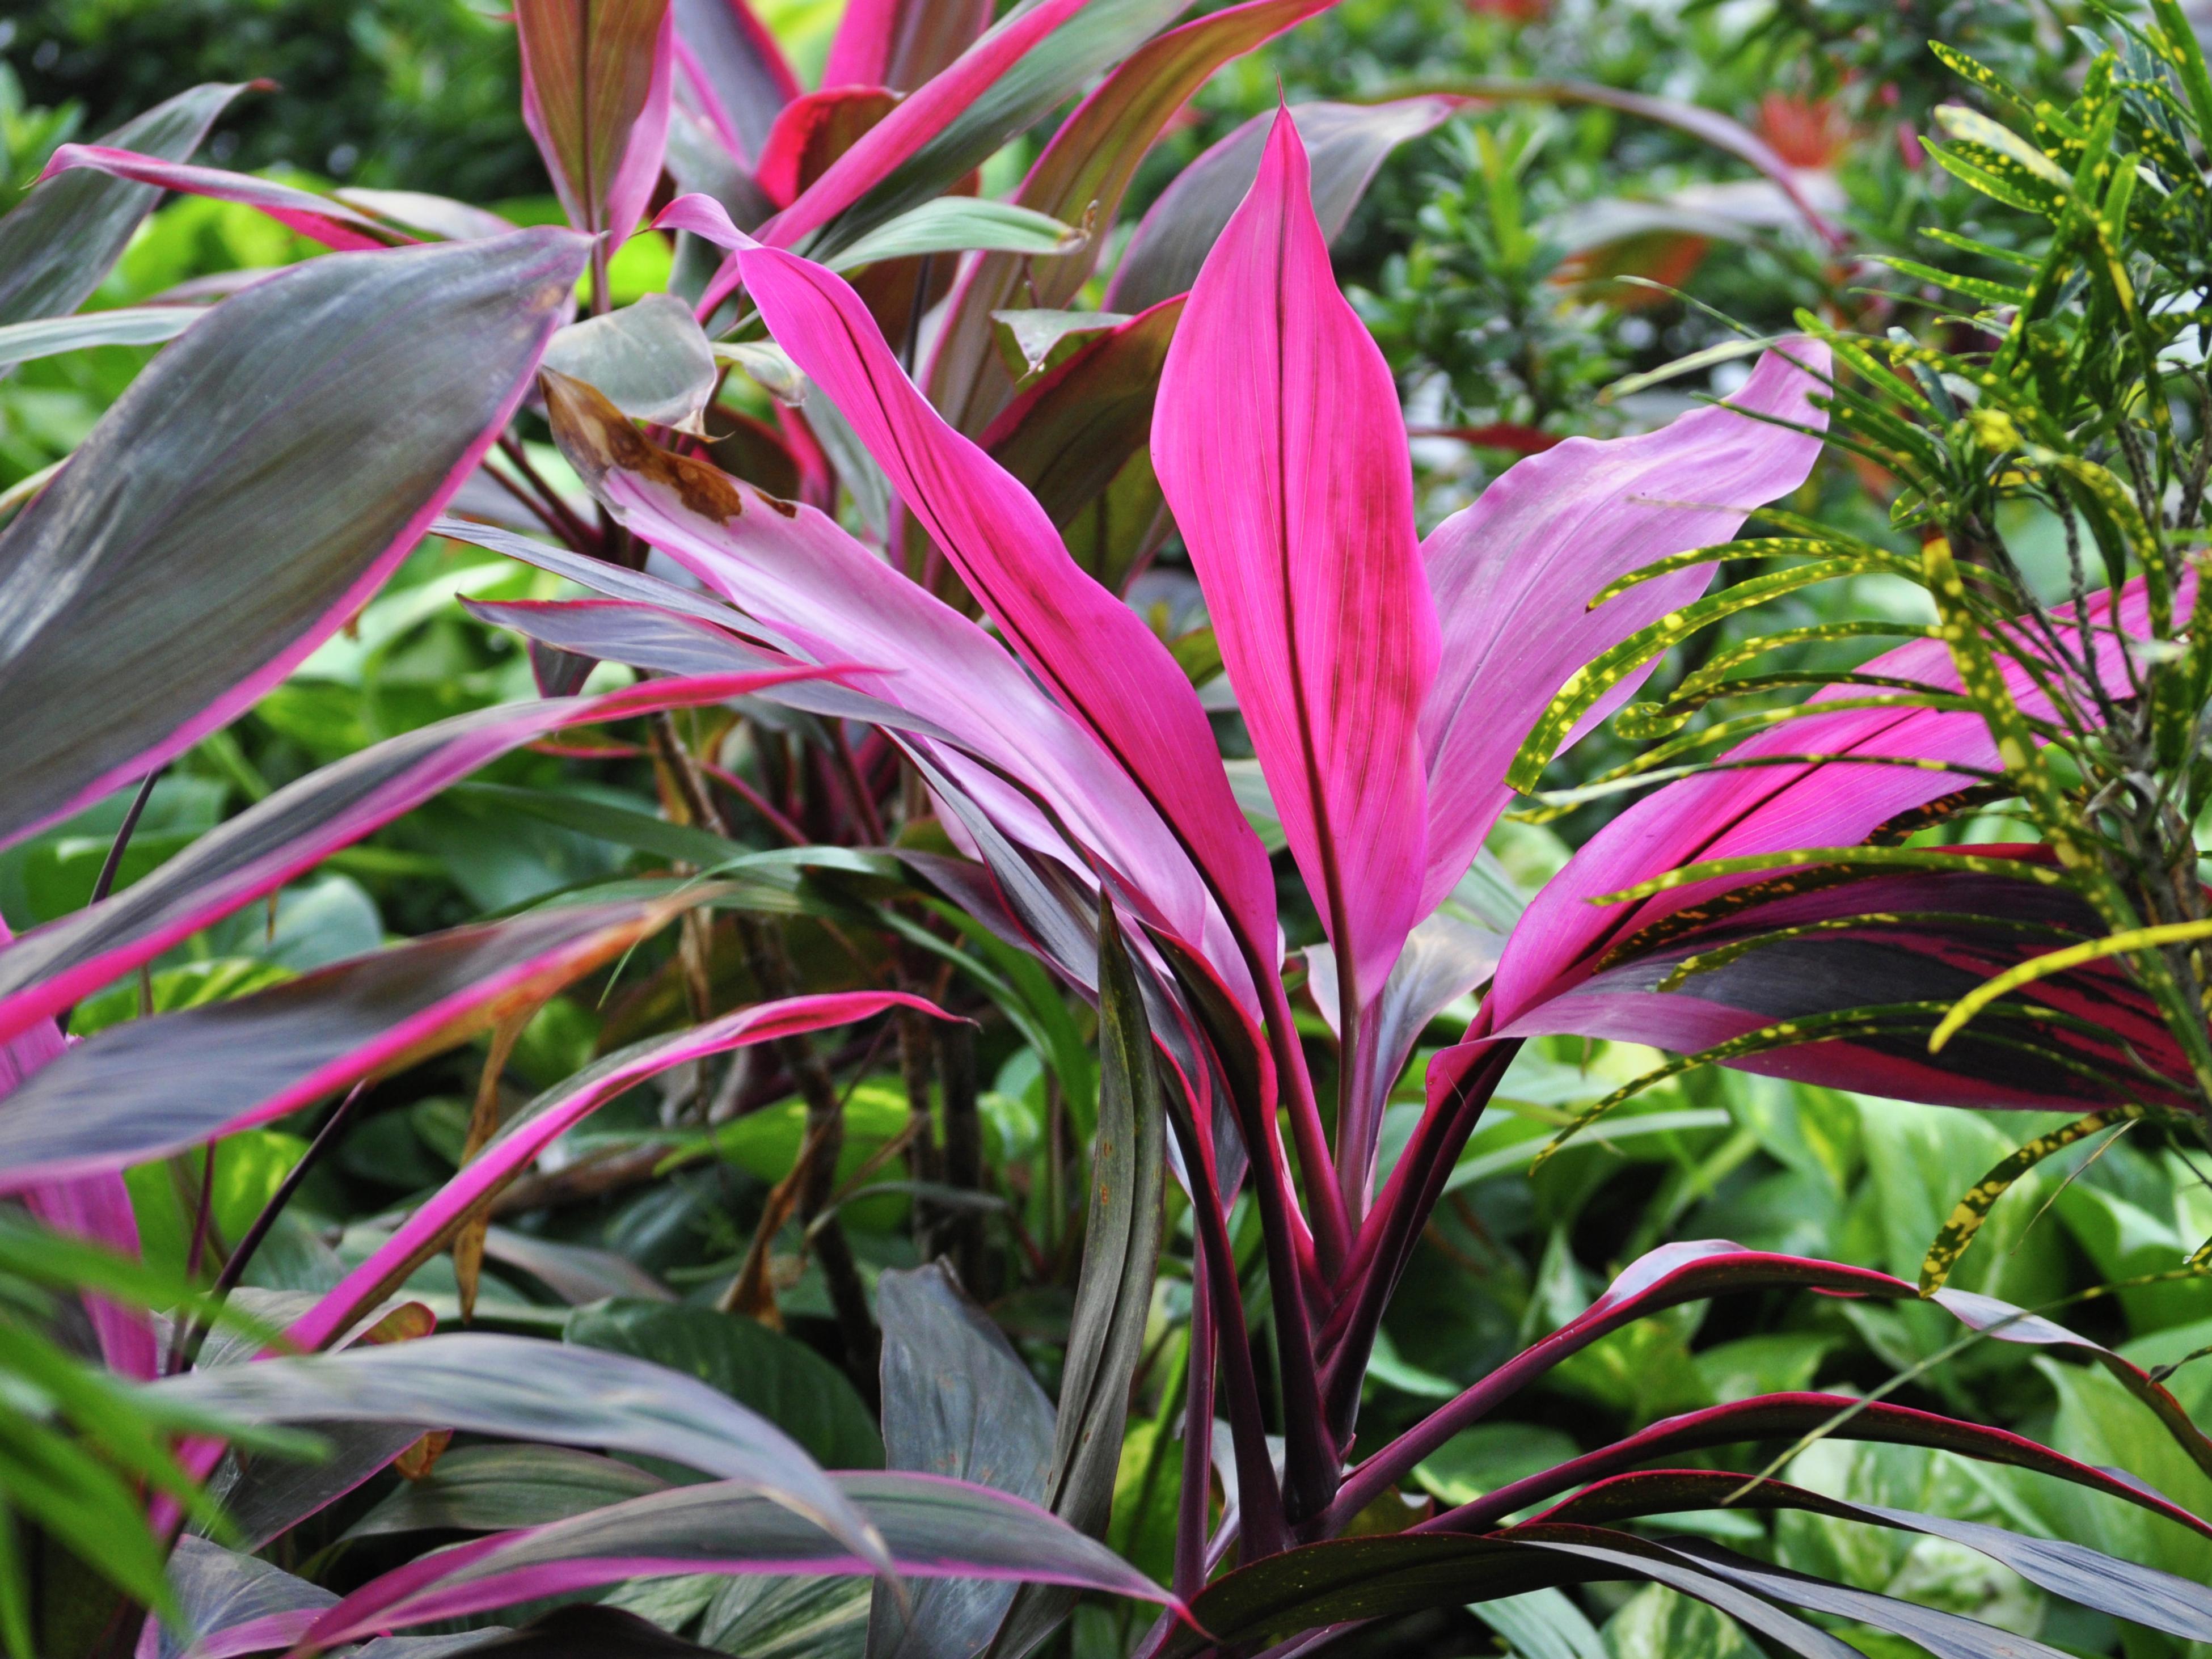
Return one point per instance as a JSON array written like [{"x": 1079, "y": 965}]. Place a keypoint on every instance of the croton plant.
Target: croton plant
[{"x": 887, "y": 462}]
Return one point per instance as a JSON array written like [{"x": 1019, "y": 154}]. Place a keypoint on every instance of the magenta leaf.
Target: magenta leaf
[
  {"x": 1514, "y": 573},
  {"x": 298, "y": 826},
  {"x": 1090, "y": 161},
  {"x": 323, "y": 218},
  {"x": 149, "y": 1087},
  {"x": 1279, "y": 444},
  {"x": 552, "y": 1114},
  {"x": 1767, "y": 809},
  {"x": 1094, "y": 653},
  {"x": 316, "y": 452},
  {"x": 596, "y": 79}
]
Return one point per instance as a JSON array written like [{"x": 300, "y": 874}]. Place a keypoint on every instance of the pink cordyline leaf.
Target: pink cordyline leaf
[
  {"x": 900, "y": 44},
  {"x": 1774, "y": 808},
  {"x": 271, "y": 548},
  {"x": 553, "y": 1115},
  {"x": 1094, "y": 653},
  {"x": 93, "y": 1207},
  {"x": 321, "y": 218},
  {"x": 730, "y": 71},
  {"x": 149, "y": 1087},
  {"x": 1279, "y": 444},
  {"x": 815, "y": 592},
  {"x": 596, "y": 77},
  {"x": 1514, "y": 575},
  {"x": 817, "y": 125},
  {"x": 295, "y": 829}
]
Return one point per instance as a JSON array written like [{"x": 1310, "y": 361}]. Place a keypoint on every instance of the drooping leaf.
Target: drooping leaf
[
  {"x": 900, "y": 44},
  {"x": 518, "y": 1388},
  {"x": 152, "y": 1086},
  {"x": 255, "y": 483},
  {"x": 268, "y": 843},
  {"x": 1093, "y": 653},
  {"x": 596, "y": 78},
  {"x": 777, "y": 1376},
  {"x": 1344, "y": 144},
  {"x": 58, "y": 244},
  {"x": 931, "y": 1528},
  {"x": 1515, "y": 573},
  {"x": 538, "y": 1125},
  {"x": 958, "y": 1402},
  {"x": 650, "y": 359},
  {"x": 1279, "y": 444}
]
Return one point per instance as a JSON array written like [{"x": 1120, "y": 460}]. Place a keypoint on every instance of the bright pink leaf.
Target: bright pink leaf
[
  {"x": 1514, "y": 573},
  {"x": 900, "y": 44},
  {"x": 1278, "y": 442},
  {"x": 321, "y": 218}
]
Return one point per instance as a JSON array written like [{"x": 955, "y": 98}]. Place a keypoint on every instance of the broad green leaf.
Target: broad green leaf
[
  {"x": 777, "y": 1376},
  {"x": 651, "y": 360},
  {"x": 958, "y": 224}
]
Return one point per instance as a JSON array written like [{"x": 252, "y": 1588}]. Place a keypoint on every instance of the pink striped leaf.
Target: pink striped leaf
[
  {"x": 1774, "y": 808},
  {"x": 149, "y": 1087},
  {"x": 552, "y": 1115},
  {"x": 322, "y": 218},
  {"x": 1278, "y": 442},
  {"x": 315, "y": 454},
  {"x": 730, "y": 71},
  {"x": 815, "y": 592},
  {"x": 596, "y": 80},
  {"x": 1514, "y": 573},
  {"x": 297, "y": 827},
  {"x": 930, "y": 1526}
]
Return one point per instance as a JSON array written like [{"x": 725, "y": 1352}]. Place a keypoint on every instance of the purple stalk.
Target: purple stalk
[{"x": 1197, "y": 1438}]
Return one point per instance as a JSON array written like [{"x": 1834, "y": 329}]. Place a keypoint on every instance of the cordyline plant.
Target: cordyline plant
[{"x": 255, "y": 484}]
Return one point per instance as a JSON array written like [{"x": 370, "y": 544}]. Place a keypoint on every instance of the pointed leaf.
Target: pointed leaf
[
  {"x": 1279, "y": 444},
  {"x": 57, "y": 243},
  {"x": 818, "y": 592},
  {"x": 958, "y": 1402},
  {"x": 1515, "y": 575},
  {"x": 1344, "y": 144},
  {"x": 538, "y": 1125},
  {"x": 295, "y": 828},
  {"x": 316, "y": 452},
  {"x": 149, "y": 1087},
  {"x": 126, "y": 325},
  {"x": 321, "y": 218},
  {"x": 595, "y": 91},
  {"x": 932, "y": 1527},
  {"x": 958, "y": 224}
]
